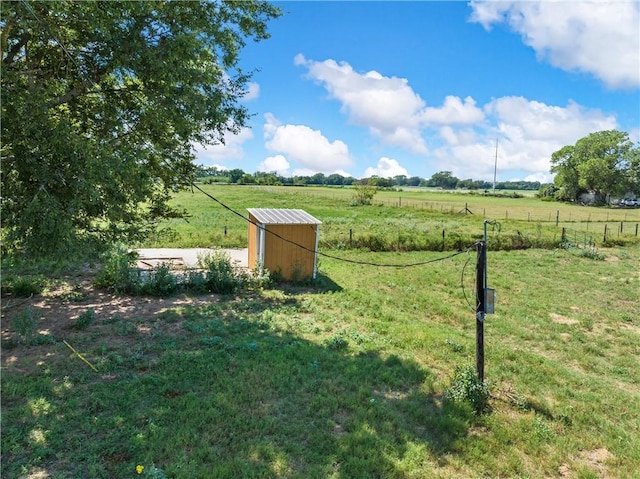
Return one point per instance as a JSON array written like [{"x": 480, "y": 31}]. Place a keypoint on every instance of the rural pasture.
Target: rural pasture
[
  {"x": 348, "y": 376},
  {"x": 398, "y": 220}
]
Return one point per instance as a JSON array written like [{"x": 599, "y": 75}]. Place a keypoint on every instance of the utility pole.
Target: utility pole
[
  {"x": 495, "y": 170},
  {"x": 485, "y": 299},
  {"x": 480, "y": 307}
]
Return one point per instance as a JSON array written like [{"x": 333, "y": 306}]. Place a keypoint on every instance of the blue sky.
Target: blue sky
[{"x": 412, "y": 88}]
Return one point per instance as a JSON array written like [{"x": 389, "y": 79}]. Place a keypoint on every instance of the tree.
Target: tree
[
  {"x": 414, "y": 181},
  {"x": 364, "y": 191},
  {"x": 565, "y": 166},
  {"x": 236, "y": 175},
  {"x": 101, "y": 104},
  {"x": 633, "y": 170},
  {"x": 600, "y": 163},
  {"x": 444, "y": 179},
  {"x": 335, "y": 179}
]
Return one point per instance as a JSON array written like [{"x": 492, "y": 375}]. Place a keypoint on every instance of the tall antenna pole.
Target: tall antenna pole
[{"x": 495, "y": 168}]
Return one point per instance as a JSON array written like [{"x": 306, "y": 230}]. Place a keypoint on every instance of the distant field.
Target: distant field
[{"x": 407, "y": 220}]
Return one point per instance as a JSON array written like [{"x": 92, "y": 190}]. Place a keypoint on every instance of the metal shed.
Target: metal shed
[{"x": 269, "y": 230}]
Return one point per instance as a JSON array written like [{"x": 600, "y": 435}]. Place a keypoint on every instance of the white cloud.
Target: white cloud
[
  {"x": 388, "y": 106},
  {"x": 528, "y": 132},
  {"x": 253, "y": 91},
  {"x": 601, "y": 38},
  {"x": 386, "y": 168},
  {"x": 277, "y": 163},
  {"x": 541, "y": 177},
  {"x": 304, "y": 172},
  {"x": 232, "y": 148},
  {"x": 305, "y": 146},
  {"x": 454, "y": 111}
]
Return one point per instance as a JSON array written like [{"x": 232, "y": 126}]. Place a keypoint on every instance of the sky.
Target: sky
[{"x": 413, "y": 88}]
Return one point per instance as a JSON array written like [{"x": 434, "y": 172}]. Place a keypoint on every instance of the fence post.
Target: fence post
[
  {"x": 557, "y": 217},
  {"x": 621, "y": 226},
  {"x": 564, "y": 234},
  {"x": 636, "y": 229},
  {"x": 605, "y": 233}
]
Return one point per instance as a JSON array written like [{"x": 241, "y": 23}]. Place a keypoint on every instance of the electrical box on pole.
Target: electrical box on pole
[{"x": 489, "y": 300}]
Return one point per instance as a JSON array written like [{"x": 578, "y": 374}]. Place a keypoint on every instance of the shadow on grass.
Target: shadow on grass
[
  {"x": 321, "y": 284},
  {"x": 228, "y": 389}
]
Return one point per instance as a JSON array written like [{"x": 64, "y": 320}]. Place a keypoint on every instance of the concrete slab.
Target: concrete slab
[{"x": 187, "y": 257}]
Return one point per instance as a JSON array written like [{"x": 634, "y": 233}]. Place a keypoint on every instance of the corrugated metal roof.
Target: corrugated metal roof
[{"x": 273, "y": 216}]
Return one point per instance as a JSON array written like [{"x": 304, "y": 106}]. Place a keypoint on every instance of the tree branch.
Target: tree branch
[{"x": 13, "y": 51}]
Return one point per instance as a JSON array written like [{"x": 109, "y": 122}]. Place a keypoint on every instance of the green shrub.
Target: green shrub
[
  {"x": 160, "y": 282},
  {"x": 261, "y": 278},
  {"x": 85, "y": 319},
  {"x": 220, "y": 275},
  {"x": 118, "y": 271},
  {"x": 466, "y": 387},
  {"x": 24, "y": 323},
  {"x": 23, "y": 287},
  {"x": 195, "y": 282}
]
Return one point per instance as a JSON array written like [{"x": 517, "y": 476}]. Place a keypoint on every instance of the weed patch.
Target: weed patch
[
  {"x": 466, "y": 387},
  {"x": 85, "y": 319}
]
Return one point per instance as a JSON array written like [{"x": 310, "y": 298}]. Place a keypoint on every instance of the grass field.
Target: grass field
[
  {"x": 412, "y": 220},
  {"x": 344, "y": 377}
]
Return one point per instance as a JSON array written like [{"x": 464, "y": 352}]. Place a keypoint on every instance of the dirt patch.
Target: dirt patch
[
  {"x": 595, "y": 459},
  {"x": 57, "y": 310},
  {"x": 560, "y": 319}
]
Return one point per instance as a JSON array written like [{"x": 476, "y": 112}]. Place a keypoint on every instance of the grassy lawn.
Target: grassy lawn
[{"x": 342, "y": 378}]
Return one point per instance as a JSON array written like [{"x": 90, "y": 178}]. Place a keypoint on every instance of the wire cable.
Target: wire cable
[{"x": 464, "y": 292}]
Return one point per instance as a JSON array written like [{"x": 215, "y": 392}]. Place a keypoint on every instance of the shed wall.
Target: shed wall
[
  {"x": 291, "y": 261},
  {"x": 280, "y": 256}
]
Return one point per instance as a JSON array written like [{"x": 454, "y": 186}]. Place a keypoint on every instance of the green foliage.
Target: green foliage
[
  {"x": 118, "y": 271},
  {"x": 94, "y": 143},
  {"x": 363, "y": 192},
  {"x": 85, "y": 319},
  {"x": 24, "y": 323},
  {"x": 120, "y": 274},
  {"x": 604, "y": 163},
  {"x": 196, "y": 282},
  {"x": 583, "y": 251},
  {"x": 466, "y": 387},
  {"x": 22, "y": 286},
  {"x": 220, "y": 275},
  {"x": 159, "y": 282},
  {"x": 151, "y": 472}
]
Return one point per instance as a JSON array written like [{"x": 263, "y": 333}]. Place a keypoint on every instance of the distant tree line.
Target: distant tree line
[{"x": 442, "y": 179}]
